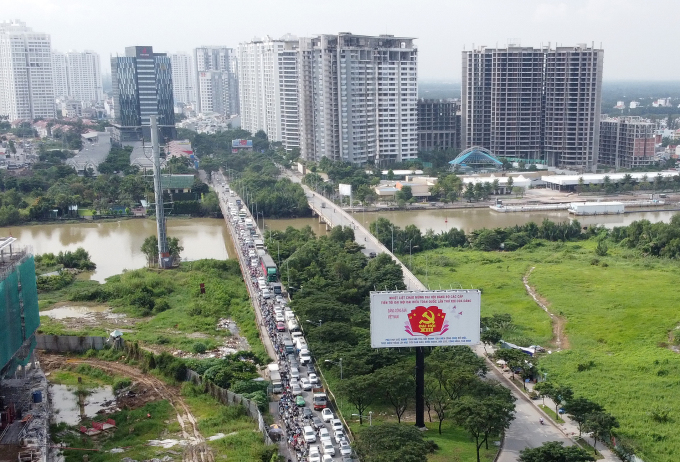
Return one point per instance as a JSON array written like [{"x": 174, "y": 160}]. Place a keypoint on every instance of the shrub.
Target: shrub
[
  {"x": 120, "y": 384},
  {"x": 199, "y": 348}
]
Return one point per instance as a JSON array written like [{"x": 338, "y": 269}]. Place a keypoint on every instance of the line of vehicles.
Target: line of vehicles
[{"x": 295, "y": 372}]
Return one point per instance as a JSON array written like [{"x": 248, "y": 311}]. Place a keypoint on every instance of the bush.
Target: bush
[
  {"x": 160, "y": 306},
  {"x": 199, "y": 348},
  {"x": 120, "y": 384}
]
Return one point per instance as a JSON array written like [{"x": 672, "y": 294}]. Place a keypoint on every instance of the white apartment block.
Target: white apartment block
[
  {"x": 59, "y": 74},
  {"x": 358, "y": 98},
  {"x": 216, "y": 93},
  {"x": 85, "y": 76},
  {"x": 183, "y": 72},
  {"x": 268, "y": 79},
  {"x": 534, "y": 103},
  {"x": 26, "y": 87}
]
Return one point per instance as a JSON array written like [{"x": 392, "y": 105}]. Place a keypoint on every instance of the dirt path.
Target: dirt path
[
  {"x": 558, "y": 322},
  {"x": 196, "y": 450}
]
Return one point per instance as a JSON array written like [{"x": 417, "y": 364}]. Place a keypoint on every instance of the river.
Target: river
[
  {"x": 473, "y": 218},
  {"x": 115, "y": 246}
]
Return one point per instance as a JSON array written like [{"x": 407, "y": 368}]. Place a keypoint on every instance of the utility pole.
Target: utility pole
[{"x": 164, "y": 260}]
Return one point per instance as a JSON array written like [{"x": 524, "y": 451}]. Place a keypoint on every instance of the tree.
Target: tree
[
  {"x": 602, "y": 248},
  {"x": 491, "y": 337},
  {"x": 390, "y": 174},
  {"x": 559, "y": 394},
  {"x": 486, "y": 416},
  {"x": 554, "y": 451},
  {"x": 405, "y": 193},
  {"x": 397, "y": 385},
  {"x": 543, "y": 389},
  {"x": 469, "y": 193},
  {"x": 441, "y": 403},
  {"x": 360, "y": 392},
  {"x": 600, "y": 425},
  {"x": 511, "y": 182},
  {"x": 150, "y": 249},
  {"x": 579, "y": 409},
  {"x": 515, "y": 359},
  {"x": 391, "y": 443}
]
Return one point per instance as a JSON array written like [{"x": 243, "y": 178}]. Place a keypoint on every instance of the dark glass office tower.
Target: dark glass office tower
[{"x": 142, "y": 86}]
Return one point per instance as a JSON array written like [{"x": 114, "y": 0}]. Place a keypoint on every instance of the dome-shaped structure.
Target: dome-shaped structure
[{"x": 476, "y": 158}]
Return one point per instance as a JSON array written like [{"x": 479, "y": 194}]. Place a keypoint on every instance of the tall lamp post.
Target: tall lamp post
[{"x": 339, "y": 363}]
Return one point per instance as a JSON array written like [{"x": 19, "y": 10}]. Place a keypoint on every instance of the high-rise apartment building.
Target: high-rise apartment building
[
  {"x": 84, "y": 76},
  {"x": 142, "y": 86},
  {"x": 26, "y": 86},
  {"x": 268, "y": 82},
  {"x": 217, "y": 85},
  {"x": 183, "y": 78},
  {"x": 438, "y": 124},
  {"x": 358, "y": 98},
  {"x": 626, "y": 142},
  {"x": 529, "y": 103},
  {"x": 59, "y": 74}
]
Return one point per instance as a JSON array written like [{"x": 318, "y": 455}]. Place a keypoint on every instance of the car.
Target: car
[
  {"x": 299, "y": 401},
  {"x": 281, "y": 326},
  {"x": 295, "y": 372},
  {"x": 313, "y": 379},
  {"x": 310, "y": 436},
  {"x": 345, "y": 448},
  {"x": 324, "y": 435},
  {"x": 327, "y": 415},
  {"x": 328, "y": 448},
  {"x": 314, "y": 454},
  {"x": 261, "y": 278},
  {"x": 295, "y": 388},
  {"x": 295, "y": 335},
  {"x": 327, "y": 458},
  {"x": 339, "y": 436},
  {"x": 305, "y": 356},
  {"x": 278, "y": 316},
  {"x": 279, "y": 299},
  {"x": 336, "y": 424},
  {"x": 266, "y": 294},
  {"x": 347, "y": 459},
  {"x": 307, "y": 413},
  {"x": 316, "y": 422},
  {"x": 372, "y": 255},
  {"x": 305, "y": 384}
]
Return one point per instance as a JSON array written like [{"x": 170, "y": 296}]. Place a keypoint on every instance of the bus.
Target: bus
[{"x": 268, "y": 268}]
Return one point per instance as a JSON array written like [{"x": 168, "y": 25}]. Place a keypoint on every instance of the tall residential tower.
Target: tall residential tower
[
  {"x": 534, "y": 103},
  {"x": 358, "y": 98},
  {"x": 26, "y": 86},
  {"x": 217, "y": 85}
]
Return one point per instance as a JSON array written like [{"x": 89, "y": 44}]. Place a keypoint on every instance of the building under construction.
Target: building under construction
[{"x": 23, "y": 411}]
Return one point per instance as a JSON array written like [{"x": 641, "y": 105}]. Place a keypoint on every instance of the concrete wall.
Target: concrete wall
[{"x": 69, "y": 343}]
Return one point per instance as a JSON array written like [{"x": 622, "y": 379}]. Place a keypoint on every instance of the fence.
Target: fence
[
  {"x": 69, "y": 343},
  {"x": 229, "y": 398}
]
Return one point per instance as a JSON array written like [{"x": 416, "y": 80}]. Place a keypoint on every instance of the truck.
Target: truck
[
  {"x": 320, "y": 399},
  {"x": 275, "y": 377},
  {"x": 288, "y": 346},
  {"x": 268, "y": 268}
]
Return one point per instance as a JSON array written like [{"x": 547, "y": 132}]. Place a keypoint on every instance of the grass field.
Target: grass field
[{"x": 621, "y": 311}]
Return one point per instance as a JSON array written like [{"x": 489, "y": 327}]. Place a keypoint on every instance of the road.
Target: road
[
  {"x": 525, "y": 430},
  {"x": 264, "y": 310}
]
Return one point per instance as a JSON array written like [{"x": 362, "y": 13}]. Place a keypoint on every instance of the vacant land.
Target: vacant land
[{"x": 621, "y": 315}]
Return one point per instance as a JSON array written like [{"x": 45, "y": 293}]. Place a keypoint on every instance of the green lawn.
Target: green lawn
[{"x": 620, "y": 310}]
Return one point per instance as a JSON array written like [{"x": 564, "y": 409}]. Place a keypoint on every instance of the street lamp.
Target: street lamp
[
  {"x": 312, "y": 322},
  {"x": 410, "y": 255},
  {"x": 339, "y": 363},
  {"x": 370, "y": 417}
]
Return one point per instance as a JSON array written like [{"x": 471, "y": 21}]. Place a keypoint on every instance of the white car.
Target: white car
[
  {"x": 340, "y": 436},
  {"x": 278, "y": 317},
  {"x": 310, "y": 436},
  {"x": 327, "y": 458},
  {"x": 295, "y": 388},
  {"x": 324, "y": 435},
  {"x": 327, "y": 415},
  {"x": 294, "y": 373},
  {"x": 295, "y": 335},
  {"x": 345, "y": 448},
  {"x": 313, "y": 379},
  {"x": 305, "y": 384},
  {"x": 314, "y": 454},
  {"x": 266, "y": 294},
  {"x": 305, "y": 357},
  {"x": 336, "y": 424},
  {"x": 328, "y": 448}
]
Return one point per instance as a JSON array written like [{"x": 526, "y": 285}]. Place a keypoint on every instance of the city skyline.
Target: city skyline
[{"x": 442, "y": 29}]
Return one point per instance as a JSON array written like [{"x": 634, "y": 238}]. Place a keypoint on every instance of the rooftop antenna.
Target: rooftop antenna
[{"x": 164, "y": 260}]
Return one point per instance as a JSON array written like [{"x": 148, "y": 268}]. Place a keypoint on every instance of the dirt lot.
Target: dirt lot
[{"x": 146, "y": 388}]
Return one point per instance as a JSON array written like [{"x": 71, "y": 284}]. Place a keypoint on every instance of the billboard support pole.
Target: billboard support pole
[{"x": 420, "y": 387}]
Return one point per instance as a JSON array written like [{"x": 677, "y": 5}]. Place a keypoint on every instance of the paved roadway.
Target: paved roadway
[{"x": 525, "y": 430}]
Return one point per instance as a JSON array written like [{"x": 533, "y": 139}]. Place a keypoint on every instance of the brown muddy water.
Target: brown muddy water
[{"x": 70, "y": 407}]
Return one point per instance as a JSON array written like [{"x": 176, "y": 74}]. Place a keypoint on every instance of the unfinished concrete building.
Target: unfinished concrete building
[
  {"x": 534, "y": 104},
  {"x": 438, "y": 124},
  {"x": 626, "y": 142}
]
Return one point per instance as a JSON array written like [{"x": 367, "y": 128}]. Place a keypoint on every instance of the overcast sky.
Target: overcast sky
[{"x": 640, "y": 38}]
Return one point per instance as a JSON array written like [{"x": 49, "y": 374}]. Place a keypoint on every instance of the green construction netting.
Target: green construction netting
[{"x": 11, "y": 337}]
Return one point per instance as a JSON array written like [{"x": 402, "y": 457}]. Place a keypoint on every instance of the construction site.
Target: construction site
[{"x": 24, "y": 412}]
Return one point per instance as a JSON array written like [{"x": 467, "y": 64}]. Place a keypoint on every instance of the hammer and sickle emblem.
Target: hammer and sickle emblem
[{"x": 428, "y": 317}]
